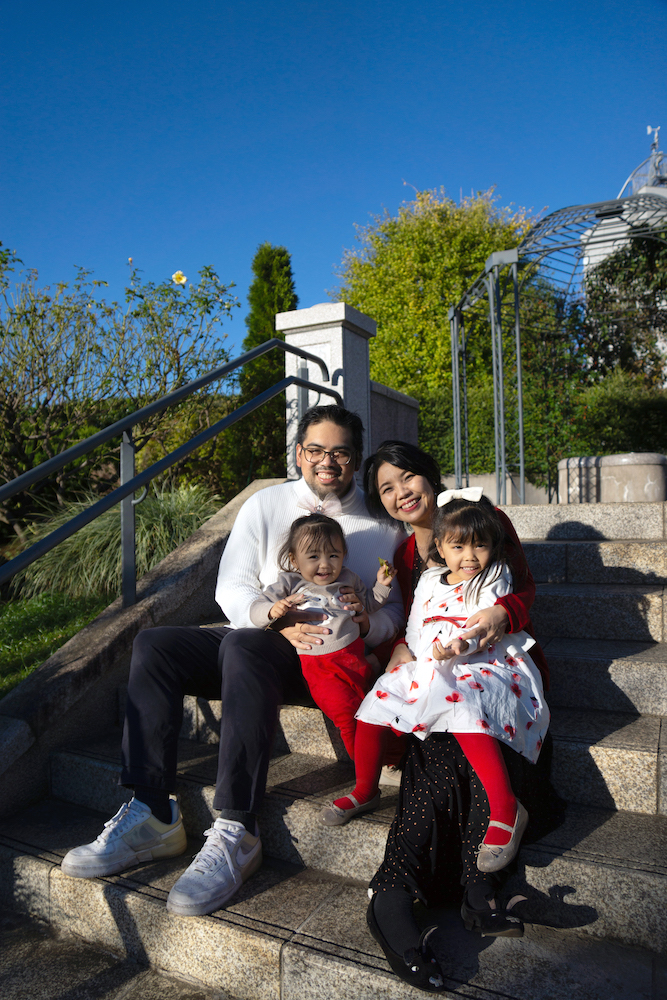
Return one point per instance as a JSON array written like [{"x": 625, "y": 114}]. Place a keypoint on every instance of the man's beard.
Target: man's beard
[{"x": 322, "y": 492}]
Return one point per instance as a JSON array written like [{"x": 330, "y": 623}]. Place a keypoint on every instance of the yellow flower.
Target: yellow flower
[{"x": 178, "y": 278}]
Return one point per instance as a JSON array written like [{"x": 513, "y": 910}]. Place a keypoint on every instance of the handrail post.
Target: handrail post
[
  {"x": 127, "y": 524},
  {"x": 456, "y": 396},
  {"x": 302, "y": 393}
]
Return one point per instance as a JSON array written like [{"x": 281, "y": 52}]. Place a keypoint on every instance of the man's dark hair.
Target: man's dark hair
[
  {"x": 404, "y": 456},
  {"x": 337, "y": 415}
]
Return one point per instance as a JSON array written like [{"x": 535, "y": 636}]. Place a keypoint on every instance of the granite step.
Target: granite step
[
  {"x": 300, "y": 934},
  {"x": 593, "y": 753},
  {"x": 643, "y": 563},
  {"x": 610, "y": 759},
  {"x": 590, "y": 521},
  {"x": 612, "y": 861},
  {"x": 39, "y": 963},
  {"x": 598, "y": 611},
  {"x": 618, "y": 676}
]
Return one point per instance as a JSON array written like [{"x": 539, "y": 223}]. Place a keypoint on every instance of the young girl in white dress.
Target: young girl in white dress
[{"x": 480, "y": 696}]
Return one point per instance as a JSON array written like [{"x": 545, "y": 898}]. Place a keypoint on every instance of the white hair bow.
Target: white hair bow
[
  {"x": 330, "y": 506},
  {"x": 473, "y": 493}
]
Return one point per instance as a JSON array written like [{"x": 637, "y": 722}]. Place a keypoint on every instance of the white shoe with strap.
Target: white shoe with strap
[
  {"x": 493, "y": 857},
  {"x": 333, "y": 815}
]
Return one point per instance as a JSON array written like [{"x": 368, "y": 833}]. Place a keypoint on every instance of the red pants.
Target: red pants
[{"x": 339, "y": 683}]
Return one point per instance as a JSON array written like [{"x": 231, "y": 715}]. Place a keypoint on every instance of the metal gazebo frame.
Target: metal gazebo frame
[{"x": 562, "y": 246}]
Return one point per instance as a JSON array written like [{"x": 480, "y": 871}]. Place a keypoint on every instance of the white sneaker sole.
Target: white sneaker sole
[
  {"x": 91, "y": 867},
  {"x": 213, "y": 903}
]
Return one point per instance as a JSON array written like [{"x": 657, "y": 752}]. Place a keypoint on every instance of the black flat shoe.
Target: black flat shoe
[
  {"x": 417, "y": 966},
  {"x": 492, "y": 923}
]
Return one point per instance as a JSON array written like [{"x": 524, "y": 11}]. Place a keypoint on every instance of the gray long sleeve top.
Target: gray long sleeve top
[{"x": 326, "y": 599}]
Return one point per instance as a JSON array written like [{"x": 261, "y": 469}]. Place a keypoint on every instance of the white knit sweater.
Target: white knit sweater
[{"x": 249, "y": 562}]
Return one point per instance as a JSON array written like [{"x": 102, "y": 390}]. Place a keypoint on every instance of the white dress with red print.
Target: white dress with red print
[{"x": 497, "y": 690}]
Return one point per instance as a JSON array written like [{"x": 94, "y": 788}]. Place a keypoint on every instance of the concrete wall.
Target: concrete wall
[
  {"x": 534, "y": 494},
  {"x": 393, "y": 415}
]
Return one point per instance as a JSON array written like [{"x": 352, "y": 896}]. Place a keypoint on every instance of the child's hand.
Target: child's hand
[
  {"x": 353, "y": 603},
  {"x": 386, "y": 572},
  {"x": 453, "y": 648},
  {"x": 400, "y": 655},
  {"x": 280, "y": 608}
]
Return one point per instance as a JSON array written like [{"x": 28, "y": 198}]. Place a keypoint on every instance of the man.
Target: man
[{"x": 253, "y": 672}]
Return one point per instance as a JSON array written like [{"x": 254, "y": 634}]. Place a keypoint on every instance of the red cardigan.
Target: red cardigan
[{"x": 517, "y": 604}]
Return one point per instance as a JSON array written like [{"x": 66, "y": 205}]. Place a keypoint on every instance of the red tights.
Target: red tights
[
  {"x": 338, "y": 682},
  {"x": 481, "y": 750}
]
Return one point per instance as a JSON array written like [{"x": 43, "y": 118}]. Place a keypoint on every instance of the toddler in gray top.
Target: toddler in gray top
[{"x": 313, "y": 577}]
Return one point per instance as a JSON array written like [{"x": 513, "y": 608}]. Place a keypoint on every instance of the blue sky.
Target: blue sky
[{"x": 185, "y": 134}]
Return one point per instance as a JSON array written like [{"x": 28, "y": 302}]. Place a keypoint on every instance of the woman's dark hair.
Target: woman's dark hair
[
  {"x": 404, "y": 456},
  {"x": 467, "y": 521},
  {"x": 337, "y": 415},
  {"x": 313, "y": 529}
]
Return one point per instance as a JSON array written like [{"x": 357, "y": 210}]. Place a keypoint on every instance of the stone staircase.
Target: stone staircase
[{"x": 597, "y": 886}]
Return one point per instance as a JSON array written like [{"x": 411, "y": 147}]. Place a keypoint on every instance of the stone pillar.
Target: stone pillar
[
  {"x": 339, "y": 335},
  {"x": 637, "y": 477}
]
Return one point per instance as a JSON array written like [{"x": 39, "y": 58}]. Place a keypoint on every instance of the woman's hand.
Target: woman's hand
[
  {"x": 489, "y": 625},
  {"x": 400, "y": 655},
  {"x": 353, "y": 603}
]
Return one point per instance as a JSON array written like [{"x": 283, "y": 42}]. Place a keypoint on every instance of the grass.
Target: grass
[
  {"x": 31, "y": 630},
  {"x": 67, "y": 587}
]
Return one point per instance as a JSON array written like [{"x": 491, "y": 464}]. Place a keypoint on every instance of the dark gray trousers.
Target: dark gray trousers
[{"x": 252, "y": 671}]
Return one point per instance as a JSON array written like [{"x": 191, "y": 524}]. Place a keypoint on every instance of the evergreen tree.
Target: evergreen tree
[{"x": 262, "y": 451}]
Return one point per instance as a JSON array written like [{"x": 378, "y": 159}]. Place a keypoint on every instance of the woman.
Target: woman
[{"x": 443, "y": 812}]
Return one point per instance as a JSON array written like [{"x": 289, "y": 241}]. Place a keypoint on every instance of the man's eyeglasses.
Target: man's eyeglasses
[{"x": 341, "y": 456}]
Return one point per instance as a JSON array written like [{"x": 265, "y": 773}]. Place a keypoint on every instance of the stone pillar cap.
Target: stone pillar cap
[{"x": 327, "y": 314}]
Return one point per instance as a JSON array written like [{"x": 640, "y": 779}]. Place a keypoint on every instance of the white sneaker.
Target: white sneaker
[
  {"x": 131, "y": 836},
  {"x": 229, "y": 856}
]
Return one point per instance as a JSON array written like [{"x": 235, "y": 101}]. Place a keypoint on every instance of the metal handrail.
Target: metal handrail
[
  {"x": 113, "y": 430},
  {"x": 126, "y": 490}
]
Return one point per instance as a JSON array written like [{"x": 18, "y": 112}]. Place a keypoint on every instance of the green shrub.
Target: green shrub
[{"x": 89, "y": 562}]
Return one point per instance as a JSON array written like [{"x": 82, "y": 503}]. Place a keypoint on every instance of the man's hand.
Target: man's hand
[
  {"x": 400, "y": 655},
  {"x": 489, "y": 625},
  {"x": 304, "y": 634},
  {"x": 353, "y": 603},
  {"x": 453, "y": 648},
  {"x": 280, "y": 608}
]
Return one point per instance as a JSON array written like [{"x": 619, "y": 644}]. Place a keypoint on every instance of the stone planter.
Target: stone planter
[{"x": 638, "y": 477}]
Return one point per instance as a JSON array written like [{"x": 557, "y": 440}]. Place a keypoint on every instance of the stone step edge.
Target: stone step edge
[
  {"x": 604, "y": 766},
  {"x": 303, "y": 839},
  {"x": 255, "y": 945},
  {"x": 604, "y": 762},
  {"x": 239, "y": 934}
]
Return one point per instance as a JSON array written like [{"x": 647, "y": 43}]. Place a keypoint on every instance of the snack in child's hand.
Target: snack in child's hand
[{"x": 386, "y": 570}]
